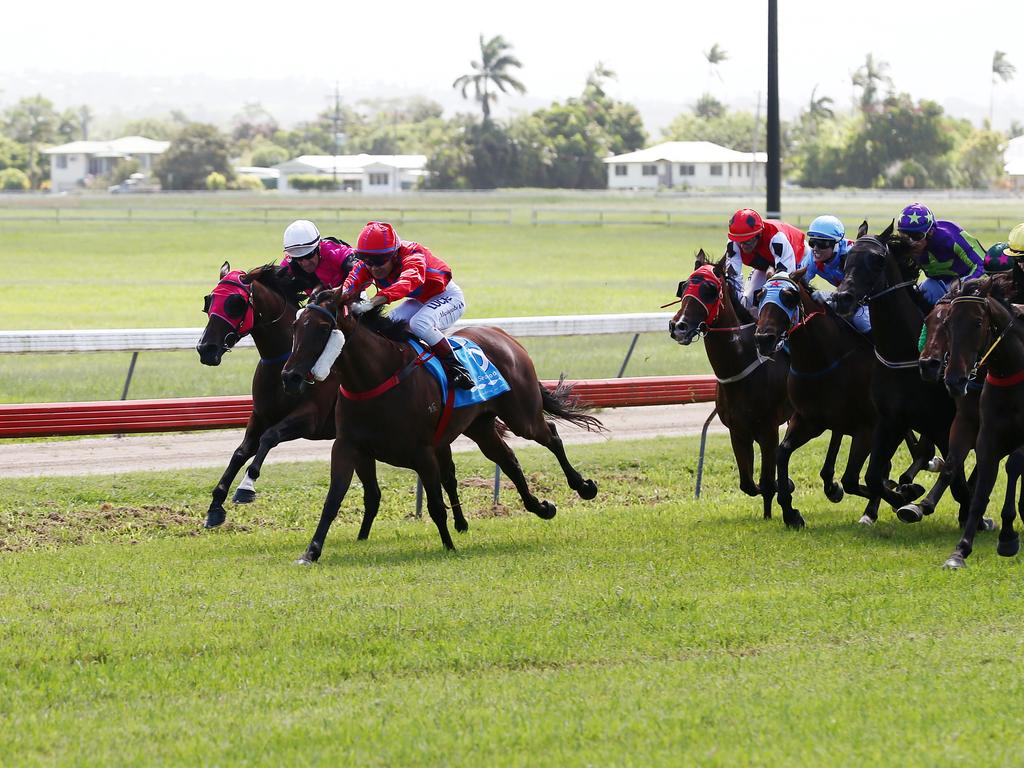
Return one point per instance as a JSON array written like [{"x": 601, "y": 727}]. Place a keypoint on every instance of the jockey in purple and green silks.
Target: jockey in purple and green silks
[
  {"x": 827, "y": 239},
  {"x": 944, "y": 250}
]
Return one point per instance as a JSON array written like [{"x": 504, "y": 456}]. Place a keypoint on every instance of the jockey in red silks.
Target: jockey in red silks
[
  {"x": 761, "y": 245},
  {"x": 316, "y": 262},
  {"x": 401, "y": 269}
]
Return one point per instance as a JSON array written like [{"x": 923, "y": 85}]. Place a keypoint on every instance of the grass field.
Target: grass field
[{"x": 641, "y": 629}]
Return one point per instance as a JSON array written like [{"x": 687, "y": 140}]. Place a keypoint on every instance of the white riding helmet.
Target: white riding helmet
[{"x": 300, "y": 238}]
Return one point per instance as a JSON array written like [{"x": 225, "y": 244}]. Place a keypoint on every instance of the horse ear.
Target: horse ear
[
  {"x": 758, "y": 295},
  {"x": 702, "y": 259},
  {"x": 887, "y": 232},
  {"x": 863, "y": 229},
  {"x": 720, "y": 266},
  {"x": 224, "y": 269},
  {"x": 799, "y": 274}
]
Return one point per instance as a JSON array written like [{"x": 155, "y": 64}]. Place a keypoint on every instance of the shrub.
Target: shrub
[
  {"x": 249, "y": 182},
  {"x": 267, "y": 155},
  {"x": 311, "y": 181},
  {"x": 12, "y": 179},
  {"x": 216, "y": 181}
]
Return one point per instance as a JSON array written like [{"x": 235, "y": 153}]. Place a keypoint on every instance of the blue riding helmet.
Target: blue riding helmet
[{"x": 827, "y": 228}]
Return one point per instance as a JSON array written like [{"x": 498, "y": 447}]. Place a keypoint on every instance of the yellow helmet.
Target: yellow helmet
[{"x": 1015, "y": 242}]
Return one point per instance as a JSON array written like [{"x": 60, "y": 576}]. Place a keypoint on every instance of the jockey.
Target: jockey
[
  {"x": 944, "y": 250},
  {"x": 762, "y": 245},
  {"x": 997, "y": 260},
  {"x": 1015, "y": 244},
  {"x": 401, "y": 269},
  {"x": 316, "y": 262},
  {"x": 827, "y": 240}
]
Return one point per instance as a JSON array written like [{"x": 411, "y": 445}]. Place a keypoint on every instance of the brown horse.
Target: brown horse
[
  {"x": 984, "y": 329},
  {"x": 263, "y": 302},
  {"x": 751, "y": 399},
  {"x": 391, "y": 409},
  {"x": 830, "y": 370}
]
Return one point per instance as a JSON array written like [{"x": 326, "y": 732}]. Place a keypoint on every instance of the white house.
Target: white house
[
  {"x": 368, "y": 174},
  {"x": 1013, "y": 158},
  {"x": 685, "y": 164},
  {"x": 71, "y": 163}
]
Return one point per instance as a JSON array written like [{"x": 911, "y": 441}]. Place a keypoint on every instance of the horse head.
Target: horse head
[
  {"x": 969, "y": 325},
  {"x": 778, "y": 311},
  {"x": 230, "y": 315},
  {"x": 316, "y": 334},
  {"x": 864, "y": 272},
  {"x": 935, "y": 335},
  {"x": 701, "y": 296}
]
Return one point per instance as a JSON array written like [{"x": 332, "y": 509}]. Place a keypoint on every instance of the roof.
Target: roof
[
  {"x": 126, "y": 145},
  {"x": 688, "y": 152},
  {"x": 257, "y": 170},
  {"x": 352, "y": 163}
]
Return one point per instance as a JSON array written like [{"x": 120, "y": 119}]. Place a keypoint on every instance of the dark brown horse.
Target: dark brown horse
[
  {"x": 751, "y": 399},
  {"x": 263, "y": 302},
  {"x": 885, "y": 282},
  {"x": 391, "y": 409},
  {"x": 830, "y": 370},
  {"x": 982, "y": 329}
]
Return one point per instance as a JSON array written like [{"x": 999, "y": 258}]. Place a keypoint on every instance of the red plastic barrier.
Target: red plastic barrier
[{"x": 182, "y": 414}]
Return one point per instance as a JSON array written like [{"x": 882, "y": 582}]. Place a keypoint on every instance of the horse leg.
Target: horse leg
[
  {"x": 216, "y": 514},
  {"x": 883, "y": 445},
  {"x": 798, "y": 432},
  {"x": 549, "y": 438},
  {"x": 430, "y": 474},
  {"x": 343, "y": 460},
  {"x": 483, "y": 433},
  {"x": 1009, "y": 542},
  {"x": 743, "y": 450},
  {"x": 922, "y": 452},
  {"x": 833, "y": 492},
  {"x": 366, "y": 471},
  {"x": 289, "y": 428},
  {"x": 860, "y": 448},
  {"x": 961, "y": 442},
  {"x": 987, "y": 468},
  {"x": 450, "y": 483}
]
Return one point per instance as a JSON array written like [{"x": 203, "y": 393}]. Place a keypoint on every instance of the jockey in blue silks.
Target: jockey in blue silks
[{"x": 829, "y": 246}]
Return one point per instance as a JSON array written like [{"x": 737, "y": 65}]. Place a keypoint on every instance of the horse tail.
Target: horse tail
[{"x": 563, "y": 404}]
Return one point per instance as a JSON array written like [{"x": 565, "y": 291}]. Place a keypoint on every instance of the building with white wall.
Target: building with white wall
[
  {"x": 70, "y": 164},
  {"x": 1013, "y": 161},
  {"x": 366, "y": 174},
  {"x": 694, "y": 164}
]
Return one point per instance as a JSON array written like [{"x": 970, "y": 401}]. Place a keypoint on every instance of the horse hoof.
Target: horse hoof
[
  {"x": 244, "y": 496},
  {"x": 1009, "y": 548},
  {"x": 987, "y": 524},
  {"x": 937, "y": 464},
  {"x": 461, "y": 526},
  {"x": 866, "y": 520},
  {"x": 546, "y": 510},
  {"x": 304, "y": 560},
  {"x": 954, "y": 562},
  {"x": 835, "y": 494},
  {"x": 588, "y": 490},
  {"x": 910, "y": 491},
  {"x": 215, "y": 515},
  {"x": 796, "y": 522},
  {"x": 910, "y": 513}
]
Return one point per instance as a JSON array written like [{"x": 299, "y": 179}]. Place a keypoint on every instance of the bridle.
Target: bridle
[
  {"x": 249, "y": 317},
  {"x": 868, "y": 298},
  {"x": 981, "y": 358}
]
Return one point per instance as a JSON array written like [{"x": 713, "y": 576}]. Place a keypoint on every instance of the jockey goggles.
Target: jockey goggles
[
  {"x": 375, "y": 259},
  {"x": 915, "y": 237},
  {"x": 821, "y": 243}
]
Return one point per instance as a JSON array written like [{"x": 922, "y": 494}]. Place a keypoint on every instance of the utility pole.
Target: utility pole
[
  {"x": 773, "y": 179},
  {"x": 336, "y": 120}
]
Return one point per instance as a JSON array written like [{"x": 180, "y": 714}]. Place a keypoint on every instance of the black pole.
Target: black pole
[{"x": 773, "y": 177}]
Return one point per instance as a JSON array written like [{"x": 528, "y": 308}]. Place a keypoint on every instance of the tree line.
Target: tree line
[{"x": 888, "y": 139}]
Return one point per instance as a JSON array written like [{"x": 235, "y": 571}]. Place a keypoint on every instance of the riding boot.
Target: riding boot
[{"x": 457, "y": 374}]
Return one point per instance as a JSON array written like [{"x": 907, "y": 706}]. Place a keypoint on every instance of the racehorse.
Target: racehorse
[
  {"x": 830, "y": 369},
  {"x": 885, "y": 282},
  {"x": 263, "y": 302},
  {"x": 392, "y": 410},
  {"x": 982, "y": 329},
  {"x": 751, "y": 399}
]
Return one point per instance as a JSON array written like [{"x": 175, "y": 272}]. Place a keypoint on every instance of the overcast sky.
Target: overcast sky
[{"x": 210, "y": 58}]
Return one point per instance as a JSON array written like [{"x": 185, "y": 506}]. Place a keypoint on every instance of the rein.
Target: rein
[
  {"x": 997, "y": 381},
  {"x": 391, "y": 382}
]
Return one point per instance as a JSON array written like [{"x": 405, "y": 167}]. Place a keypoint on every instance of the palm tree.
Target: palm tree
[
  {"x": 715, "y": 56},
  {"x": 492, "y": 70},
  {"x": 820, "y": 109},
  {"x": 868, "y": 78},
  {"x": 1002, "y": 70},
  {"x": 596, "y": 79}
]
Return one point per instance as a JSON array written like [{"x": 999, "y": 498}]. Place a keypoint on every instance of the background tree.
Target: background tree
[
  {"x": 32, "y": 121},
  {"x": 869, "y": 77},
  {"x": 197, "y": 151},
  {"x": 492, "y": 71},
  {"x": 1002, "y": 71},
  {"x": 715, "y": 55}
]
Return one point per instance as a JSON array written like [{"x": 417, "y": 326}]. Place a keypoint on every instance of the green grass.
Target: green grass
[{"x": 641, "y": 628}]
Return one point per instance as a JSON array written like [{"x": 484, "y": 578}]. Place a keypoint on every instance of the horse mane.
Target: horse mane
[
  {"x": 375, "y": 320},
  {"x": 281, "y": 280}
]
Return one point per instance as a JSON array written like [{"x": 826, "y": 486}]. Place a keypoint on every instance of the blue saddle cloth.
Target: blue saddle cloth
[{"x": 489, "y": 381}]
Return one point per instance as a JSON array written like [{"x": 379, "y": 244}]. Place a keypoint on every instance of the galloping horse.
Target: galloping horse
[
  {"x": 393, "y": 410},
  {"x": 263, "y": 302},
  {"x": 830, "y": 369},
  {"x": 982, "y": 329},
  {"x": 885, "y": 282},
  {"x": 751, "y": 398}
]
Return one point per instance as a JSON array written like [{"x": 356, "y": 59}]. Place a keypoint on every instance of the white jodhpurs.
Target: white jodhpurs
[{"x": 428, "y": 320}]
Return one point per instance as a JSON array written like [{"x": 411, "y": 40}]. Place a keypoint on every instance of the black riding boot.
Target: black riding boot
[{"x": 457, "y": 374}]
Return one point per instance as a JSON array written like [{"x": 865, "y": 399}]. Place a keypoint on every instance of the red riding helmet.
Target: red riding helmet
[
  {"x": 745, "y": 224},
  {"x": 378, "y": 239}
]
